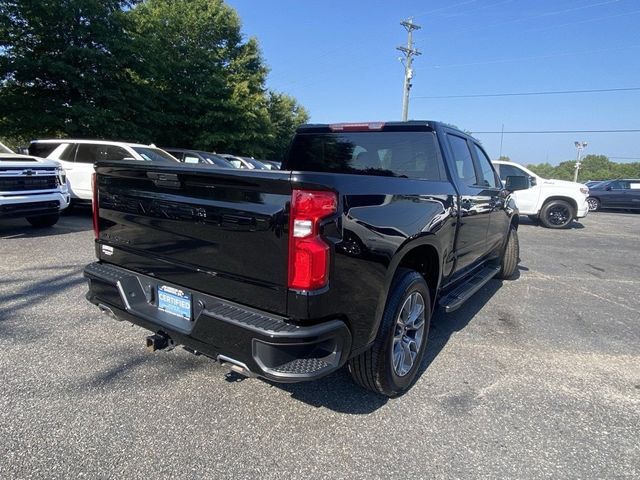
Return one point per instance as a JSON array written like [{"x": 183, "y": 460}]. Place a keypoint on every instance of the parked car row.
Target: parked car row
[{"x": 77, "y": 157}]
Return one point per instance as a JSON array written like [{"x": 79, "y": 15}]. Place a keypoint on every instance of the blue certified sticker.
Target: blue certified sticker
[{"x": 174, "y": 301}]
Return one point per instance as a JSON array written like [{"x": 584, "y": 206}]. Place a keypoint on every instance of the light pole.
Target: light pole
[{"x": 579, "y": 147}]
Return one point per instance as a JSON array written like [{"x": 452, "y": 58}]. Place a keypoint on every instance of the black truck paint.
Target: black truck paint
[{"x": 222, "y": 237}]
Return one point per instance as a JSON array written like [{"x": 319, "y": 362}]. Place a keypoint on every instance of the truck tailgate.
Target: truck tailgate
[{"x": 218, "y": 231}]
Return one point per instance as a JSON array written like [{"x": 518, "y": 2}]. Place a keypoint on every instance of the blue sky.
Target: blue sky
[{"x": 338, "y": 58}]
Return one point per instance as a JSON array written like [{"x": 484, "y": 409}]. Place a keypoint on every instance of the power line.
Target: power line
[
  {"x": 523, "y": 94},
  {"x": 630, "y": 130},
  {"x": 538, "y": 57}
]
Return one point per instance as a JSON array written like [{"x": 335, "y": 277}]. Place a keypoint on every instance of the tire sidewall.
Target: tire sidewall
[
  {"x": 409, "y": 283},
  {"x": 545, "y": 214}
]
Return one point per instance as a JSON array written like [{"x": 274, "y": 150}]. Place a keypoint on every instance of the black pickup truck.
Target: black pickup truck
[{"x": 341, "y": 257}]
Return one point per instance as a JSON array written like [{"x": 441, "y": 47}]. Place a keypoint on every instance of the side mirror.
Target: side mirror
[
  {"x": 608, "y": 188},
  {"x": 533, "y": 181},
  {"x": 516, "y": 182}
]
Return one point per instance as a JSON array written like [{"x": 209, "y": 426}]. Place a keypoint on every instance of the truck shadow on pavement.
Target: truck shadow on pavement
[
  {"x": 339, "y": 393},
  {"x": 19, "y": 228},
  {"x": 526, "y": 221}
]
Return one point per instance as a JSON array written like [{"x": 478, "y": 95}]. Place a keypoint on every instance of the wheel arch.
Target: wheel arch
[
  {"x": 569, "y": 200},
  {"x": 424, "y": 257}
]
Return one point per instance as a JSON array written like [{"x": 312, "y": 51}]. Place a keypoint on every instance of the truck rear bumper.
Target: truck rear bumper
[{"x": 264, "y": 344}]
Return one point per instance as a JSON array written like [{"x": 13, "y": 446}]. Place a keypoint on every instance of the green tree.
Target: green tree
[
  {"x": 545, "y": 170},
  {"x": 593, "y": 167},
  {"x": 64, "y": 68},
  {"x": 173, "y": 72},
  {"x": 285, "y": 115}
]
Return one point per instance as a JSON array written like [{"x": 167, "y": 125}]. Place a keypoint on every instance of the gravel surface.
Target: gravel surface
[{"x": 536, "y": 377}]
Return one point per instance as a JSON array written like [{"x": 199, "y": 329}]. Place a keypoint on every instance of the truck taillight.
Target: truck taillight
[
  {"x": 308, "y": 253},
  {"x": 95, "y": 207}
]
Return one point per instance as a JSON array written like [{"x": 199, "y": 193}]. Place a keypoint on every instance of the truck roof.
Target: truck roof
[
  {"x": 372, "y": 126},
  {"x": 101, "y": 142}
]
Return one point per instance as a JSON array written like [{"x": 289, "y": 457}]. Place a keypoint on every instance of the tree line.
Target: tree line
[
  {"x": 175, "y": 73},
  {"x": 592, "y": 167}
]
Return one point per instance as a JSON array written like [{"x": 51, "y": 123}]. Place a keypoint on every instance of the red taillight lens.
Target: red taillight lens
[
  {"x": 95, "y": 206},
  {"x": 308, "y": 253}
]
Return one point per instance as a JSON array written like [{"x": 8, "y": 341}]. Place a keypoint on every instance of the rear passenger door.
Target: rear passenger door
[
  {"x": 475, "y": 204},
  {"x": 499, "y": 221}
]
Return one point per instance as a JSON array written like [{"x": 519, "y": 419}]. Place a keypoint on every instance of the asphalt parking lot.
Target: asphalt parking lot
[{"x": 536, "y": 377}]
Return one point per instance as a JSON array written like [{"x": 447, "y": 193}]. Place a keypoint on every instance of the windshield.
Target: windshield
[
  {"x": 217, "y": 160},
  {"x": 154, "y": 154},
  {"x": 4, "y": 149},
  {"x": 256, "y": 163}
]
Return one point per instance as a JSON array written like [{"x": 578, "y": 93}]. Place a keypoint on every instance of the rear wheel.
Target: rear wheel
[
  {"x": 594, "y": 204},
  {"x": 391, "y": 365},
  {"x": 556, "y": 214},
  {"x": 511, "y": 256},
  {"x": 44, "y": 220}
]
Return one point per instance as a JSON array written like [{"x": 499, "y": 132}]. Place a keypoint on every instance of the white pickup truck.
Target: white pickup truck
[
  {"x": 31, "y": 188},
  {"x": 555, "y": 203}
]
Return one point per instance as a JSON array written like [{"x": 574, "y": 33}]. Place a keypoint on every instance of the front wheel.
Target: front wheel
[
  {"x": 594, "y": 204},
  {"x": 391, "y": 365},
  {"x": 556, "y": 214},
  {"x": 44, "y": 220}
]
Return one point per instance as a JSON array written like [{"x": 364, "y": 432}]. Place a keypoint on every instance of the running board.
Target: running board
[{"x": 456, "y": 297}]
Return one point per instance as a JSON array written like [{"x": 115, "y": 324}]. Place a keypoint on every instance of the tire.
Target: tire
[
  {"x": 594, "y": 204},
  {"x": 391, "y": 365},
  {"x": 44, "y": 220},
  {"x": 557, "y": 214},
  {"x": 510, "y": 257}
]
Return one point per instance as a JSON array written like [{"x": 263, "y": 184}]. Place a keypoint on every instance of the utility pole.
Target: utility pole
[
  {"x": 579, "y": 147},
  {"x": 409, "y": 52}
]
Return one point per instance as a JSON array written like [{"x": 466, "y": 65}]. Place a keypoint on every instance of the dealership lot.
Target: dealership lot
[{"x": 535, "y": 377}]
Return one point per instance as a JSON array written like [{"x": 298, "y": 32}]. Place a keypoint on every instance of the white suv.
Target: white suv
[
  {"x": 555, "y": 203},
  {"x": 78, "y": 156}
]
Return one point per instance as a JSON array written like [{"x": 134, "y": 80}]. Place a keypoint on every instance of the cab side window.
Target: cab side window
[
  {"x": 510, "y": 171},
  {"x": 464, "y": 161},
  {"x": 69, "y": 154},
  {"x": 112, "y": 152},
  {"x": 486, "y": 170},
  {"x": 87, "y": 153},
  {"x": 619, "y": 185}
]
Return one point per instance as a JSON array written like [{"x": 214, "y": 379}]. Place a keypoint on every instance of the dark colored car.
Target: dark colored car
[
  {"x": 338, "y": 259},
  {"x": 622, "y": 193},
  {"x": 272, "y": 165},
  {"x": 199, "y": 156},
  {"x": 244, "y": 162},
  {"x": 593, "y": 183}
]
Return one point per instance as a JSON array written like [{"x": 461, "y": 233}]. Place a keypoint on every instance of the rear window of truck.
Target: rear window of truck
[{"x": 392, "y": 154}]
